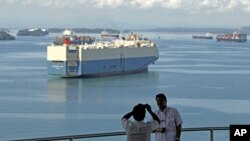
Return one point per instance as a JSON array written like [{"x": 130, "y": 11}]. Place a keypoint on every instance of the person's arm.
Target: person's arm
[
  {"x": 128, "y": 115},
  {"x": 178, "y": 132},
  {"x": 125, "y": 122},
  {"x": 178, "y": 122},
  {"x": 154, "y": 116}
]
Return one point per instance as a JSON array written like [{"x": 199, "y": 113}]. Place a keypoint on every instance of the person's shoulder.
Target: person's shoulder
[
  {"x": 126, "y": 120},
  {"x": 172, "y": 109}
]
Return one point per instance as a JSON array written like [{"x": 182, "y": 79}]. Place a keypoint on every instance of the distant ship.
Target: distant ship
[
  {"x": 72, "y": 58},
  {"x": 207, "y": 36},
  {"x": 6, "y": 36},
  {"x": 105, "y": 34},
  {"x": 68, "y": 37},
  {"x": 235, "y": 37},
  {"x": 33, "y": 32}
]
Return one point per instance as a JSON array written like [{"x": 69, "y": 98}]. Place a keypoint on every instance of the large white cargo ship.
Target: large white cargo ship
[{"x": 72, "y": 56}]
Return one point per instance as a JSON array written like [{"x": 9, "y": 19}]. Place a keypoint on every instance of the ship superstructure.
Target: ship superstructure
[{"x": 104, "y": 58}]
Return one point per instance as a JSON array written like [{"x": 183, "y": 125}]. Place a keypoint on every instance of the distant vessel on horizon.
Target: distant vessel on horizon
[
  {"x": 33, "y": 32},
  {"x": 68, "y": 37},
  {"x": 235, "y": 37},
  {"x": 110, "y": 36},
  {"x": 207, "y": 36},
  {"x": 6, "y": 36}
]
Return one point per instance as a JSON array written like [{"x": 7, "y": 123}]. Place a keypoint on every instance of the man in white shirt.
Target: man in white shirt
[
  {"x": 139, "y": 130},
  {"x": 171, "y": 122}
]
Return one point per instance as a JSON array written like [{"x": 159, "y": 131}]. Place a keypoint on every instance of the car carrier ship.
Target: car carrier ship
[{"x": 83, "y": 56}]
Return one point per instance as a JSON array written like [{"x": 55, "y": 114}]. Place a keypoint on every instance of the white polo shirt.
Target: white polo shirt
[
  {"x": 170, "y": 118},
  {"x": 139, "y": 130}
]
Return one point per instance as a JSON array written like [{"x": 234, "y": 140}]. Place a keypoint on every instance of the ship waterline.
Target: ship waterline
[{"x": 98, "y": 68}]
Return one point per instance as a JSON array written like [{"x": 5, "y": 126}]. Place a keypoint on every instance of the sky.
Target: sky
[{"x": 124, "y": 14}]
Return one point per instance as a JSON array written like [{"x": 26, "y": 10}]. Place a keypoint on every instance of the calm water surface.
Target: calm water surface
[{"x": 206, "y": 80}]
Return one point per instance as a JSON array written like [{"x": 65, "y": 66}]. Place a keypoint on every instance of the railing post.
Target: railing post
[
  {"x": 211, "y": 135},
  {"x": 71, "y": 139}
]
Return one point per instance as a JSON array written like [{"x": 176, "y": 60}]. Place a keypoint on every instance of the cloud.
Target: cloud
[
  {"x": 191, "y": 6},
  {"x": 246, "y": 4},
  {"x": 143, "y": 3},
  {"x": 108, "y": 3},
  {"x": 222, "y": 5},
  {"x": 172, "y": 4}
]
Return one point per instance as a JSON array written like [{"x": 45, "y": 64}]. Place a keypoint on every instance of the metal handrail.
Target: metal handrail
[{"x": 84, "y": 136}]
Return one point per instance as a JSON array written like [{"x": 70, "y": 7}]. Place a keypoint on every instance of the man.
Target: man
[
  {"x": 171, "y": 123},
  {"x": 139, "y": 130}
]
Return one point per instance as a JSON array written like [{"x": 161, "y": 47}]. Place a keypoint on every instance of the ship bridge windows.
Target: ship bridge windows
[
  {"x": 72, "y": 51},
  {"x": 72, "y": 55}
]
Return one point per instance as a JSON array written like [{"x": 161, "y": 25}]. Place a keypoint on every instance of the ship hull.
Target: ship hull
[
  {"x": 103, "y": 62},
  {"x": 203, "y": 37},
  {"x": 232, "y": 40},
  {"x": 100, "y": 68}
]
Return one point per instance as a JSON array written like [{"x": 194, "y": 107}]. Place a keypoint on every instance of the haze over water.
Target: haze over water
[{"x": 206, "y": 80}]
